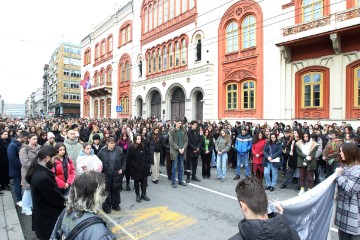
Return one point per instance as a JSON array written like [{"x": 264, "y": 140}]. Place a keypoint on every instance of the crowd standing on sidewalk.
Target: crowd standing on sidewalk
[{"x": 53, "y": 153}]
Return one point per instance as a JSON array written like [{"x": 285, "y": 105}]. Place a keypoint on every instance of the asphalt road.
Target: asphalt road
[{"x": 204, "y": 210}]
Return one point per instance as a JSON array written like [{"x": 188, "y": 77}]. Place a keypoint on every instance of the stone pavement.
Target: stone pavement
[{"x": 10, "y": 228}]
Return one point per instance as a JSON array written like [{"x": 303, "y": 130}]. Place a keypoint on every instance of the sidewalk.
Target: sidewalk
[{"x": 10, "y": 228}]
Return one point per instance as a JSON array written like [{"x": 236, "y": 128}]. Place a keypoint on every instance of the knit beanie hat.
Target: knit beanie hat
[{"x": 50, "y": 135}]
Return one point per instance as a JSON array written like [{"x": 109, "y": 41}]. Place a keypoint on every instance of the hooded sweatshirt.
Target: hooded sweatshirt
[{"x": 273, "y": 228}]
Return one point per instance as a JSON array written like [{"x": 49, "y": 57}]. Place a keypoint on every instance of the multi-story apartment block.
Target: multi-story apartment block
[
  {"x": 249, "y": 59},
  {"x": 63, "y": 81}
]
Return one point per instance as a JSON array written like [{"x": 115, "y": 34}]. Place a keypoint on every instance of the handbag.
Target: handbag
[{"x": 275, "y": 160}]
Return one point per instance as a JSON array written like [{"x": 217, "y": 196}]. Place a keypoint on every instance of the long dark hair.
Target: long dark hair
[
  {"x": 142, "y": 141},
  {"x": 256, "y": 137},
  {"x": 45, "y": 151},
  {"x": 351, "y": 153},
  {"x": 64, "y": 161}
]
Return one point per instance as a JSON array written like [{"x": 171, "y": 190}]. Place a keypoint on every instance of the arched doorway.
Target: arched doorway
[
  {"x": 139, "y": 104},
  {"x": 199, "y": 106},
  {"x": 156, "y": 105},
  {"x": 178, "y": 104}
]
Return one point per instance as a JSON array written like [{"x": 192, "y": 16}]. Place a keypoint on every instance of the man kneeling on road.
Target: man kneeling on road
[{"x": 257, "y": 224}]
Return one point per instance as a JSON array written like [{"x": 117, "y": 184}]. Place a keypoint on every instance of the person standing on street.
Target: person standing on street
[
  {"x": 4, "y": 160},
  {"x": 347, "y": 216},
  {"x": 243, "y": 147},
  {"x": 155, "y": 151},
  {"x": 73, "y": 147},
  {"x": 271, "y": 161},
  {"x": 48, "y": 201},
  {"x": 222, "y": 147},
  {"x": 114, "y": 165},
  {"x": 178, "y": 143},
  {"x": 138, "y": 165},
  {"x": 26, "y": 155},
  {"x": 193, "y": 152},
  {"x": 15, "y": 164},
  {"x": 207, "y": 148}
]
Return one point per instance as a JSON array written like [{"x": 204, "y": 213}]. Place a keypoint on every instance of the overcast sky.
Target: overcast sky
[{"x": 30, "y": 31}]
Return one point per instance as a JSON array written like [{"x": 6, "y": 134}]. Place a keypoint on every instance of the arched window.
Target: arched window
[
  {"x": 108, "y": 107},
  {"x": 154, "y": 61},
  {"x": 122, "y": 72},
  {"x": 232, "y": 37},
  {"x": 96, "y": 108},
  {"x": 172, "y": 10},
  {"x": 155, "y": 15},
  {"x": 160, "y": 6},
  {"x": 248, "y": 95},
  {"x": 127, "y": 69},
  {"x": 165, "y": 58},
  {"x": 312, "y": 10},
  {"x": 102, "y": 108},
  {"x": 249, "y": 34},
  {"x": 110, "y": 44},
  {"x": 184, "y": 6},
  {"x": 177, "y": 54},
  {"x": 183, "y": 52},
  {"x": 146, "y": 20},
  {"x": 149, "y": 63},
  {"x": 102, "y": 76},
  {"x": 103, "y": 47},
  {"x": 96, "y": 78},
  {"x": 312, "y": 90},
  {"x": 97, "y": 51},
  {"x": 166, "y": 10},
  {"x": 150, "y": 17},
  {"x": 159, "y": 60},
  {"x": 171, "y": 56},
  {"x": 109, "y": 75},
  {"x": 357, "y": 86},
  {"x": 231, "y": 96}
]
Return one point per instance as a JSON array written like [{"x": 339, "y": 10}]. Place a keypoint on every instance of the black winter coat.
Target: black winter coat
[
  {"x": 194, "y": 143},
  {"x": 4, "y": 161},
  {"x": 48, "y": 202},
  {"x": 113, "y": 178},
  {"x": 166, "y": 143},
  {"x": 210, "y": 147},
  {"x": 154, "y": 146},
  {"x": 137, "y": 161}
]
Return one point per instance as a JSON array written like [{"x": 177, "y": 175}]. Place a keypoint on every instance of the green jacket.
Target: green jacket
[
  {"x": 173, "y": 141},
  {"x": 311, "y": 165},
  {"x": 73, "y": 149}
]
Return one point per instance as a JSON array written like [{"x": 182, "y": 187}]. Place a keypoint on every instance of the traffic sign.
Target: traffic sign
[{"x": 119, "y": 109}]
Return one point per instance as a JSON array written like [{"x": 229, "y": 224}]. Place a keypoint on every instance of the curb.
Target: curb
[{"x": 10, "y": 228}]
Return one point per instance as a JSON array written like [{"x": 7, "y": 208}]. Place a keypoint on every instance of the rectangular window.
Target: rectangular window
[
  {"x": 159, "y": 61},
  {"x": 312, "y": 87},
  {"x": 178, "y": 7},
  {"x": 166, "y": 10},
  {"x": 183, "y": 52},
  {"x": 171, "y": 57},
  {"x": 357, "y": 87},
  {"x": 155, "y": 15},
  {"x": 248, "y": 95},
  {"x": 160, "y": 12},
  {"x": 128, "y": 34},
  {"x": 123, "y": 39},
  {"x": 150, "y": 17},
  {"x": 103, "y": 48},
  {"x": 177, "y": 54},
  {"x": 312, "y": 10},
  {"x": 231, "y": 97},
  {"x": 165, "y": 58},
  {"x": 126, "y": 105},
  {"x": 171, "y": 9},
  {"x": 184, "y": 6},
  {"x": 110, "y": 44},
  {"x": 66, "y": 72},
  {"x": 191, "y": 2}
]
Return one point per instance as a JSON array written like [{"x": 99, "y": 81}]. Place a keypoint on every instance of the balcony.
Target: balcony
[{"x": 100, "y": 89}]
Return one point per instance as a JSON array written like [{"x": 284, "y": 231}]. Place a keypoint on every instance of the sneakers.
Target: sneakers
[
  {"x": 28, "y": 213},
  {"x": 272, "y": 189},
  {"x": 182, "y": 183},
  {"x": 107, "y": 211},
  {"x": 223, "y": 179},
  {"x": 195, "y": 178},
  {"x": 138, "y": 198},
  {"x": 19, "y": 203},
  {"x": 117, "y": 208},
  {"x": 301, "y": 192},
  {"x": 173, "y": 185},
  {"x": 237, "y": 177}
]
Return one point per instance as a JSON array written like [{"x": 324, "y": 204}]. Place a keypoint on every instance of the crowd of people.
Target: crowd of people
[{"x": 135, "y": 149}]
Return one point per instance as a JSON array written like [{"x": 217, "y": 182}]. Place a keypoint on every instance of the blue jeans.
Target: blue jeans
[
  {"x": 26, "y": 201},
  {"x": 270, "y": 167},
  {"x": 243, "y": 160},
  {"x": 221, "y": 164},
  {"x": 177, "y": 164},
  {"x": 17, "y": 188},
  {"x": 213, "y": 157}
]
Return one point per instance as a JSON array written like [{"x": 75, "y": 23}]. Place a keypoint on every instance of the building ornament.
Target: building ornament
[
  {"x": 306, "y": 26},
  {"x": 336, "y": 42},
  {"x": 286, "y": 52},
  {"x": 346, "y": 15},
  {"x": 240, "y": 75},
  {"x": 182, "y": 74},
  {"x": 239, "y": 9}
]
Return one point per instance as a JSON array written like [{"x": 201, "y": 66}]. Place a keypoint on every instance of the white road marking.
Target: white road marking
[
  {"x": 334, "y": 229},
  {"x": 207, "y": 189},
  {"x": 117, "y": 225}
]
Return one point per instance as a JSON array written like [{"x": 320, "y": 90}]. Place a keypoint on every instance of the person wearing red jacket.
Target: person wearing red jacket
[
  {"x": 258, "y": 154},
  {"x": 64, "y": 170}
]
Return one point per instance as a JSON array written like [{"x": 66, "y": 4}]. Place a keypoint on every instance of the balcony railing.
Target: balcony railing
[
  {"x": 103, "y": 58},
  {"x": 102, "y": 84}
]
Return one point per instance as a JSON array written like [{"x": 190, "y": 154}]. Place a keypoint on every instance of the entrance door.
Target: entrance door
[
  {"x": 140, "y": 107},
  {"x": 156, "y": 105},
  {"x": 199, "y": 107},
  {"x": 178, "y": 104}
]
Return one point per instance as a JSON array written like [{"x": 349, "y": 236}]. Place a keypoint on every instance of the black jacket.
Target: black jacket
[
  {"x": 96, "y": 151},
  {"x": 4, "y": 161},
  {"x": 137, "y": 161},
  {"x": 210, "y": 147},
  {"x": 273, "y": 228},
  {"x": 48, "y": 202},
  {"x": 166, "y": 143},
  {"x": 120, "y": 163},
  {"x": 154, "y": 146},
  {"x": 194, "y": 143}
]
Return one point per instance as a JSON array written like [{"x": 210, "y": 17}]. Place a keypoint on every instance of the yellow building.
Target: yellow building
[{"x": 63, "y": 85}]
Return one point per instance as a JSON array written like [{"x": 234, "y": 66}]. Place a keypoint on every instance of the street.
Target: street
[{"x": 204, "y": 210}]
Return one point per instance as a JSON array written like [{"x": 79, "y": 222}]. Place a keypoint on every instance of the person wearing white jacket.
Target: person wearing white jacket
[{"x": 87, "y": 161}]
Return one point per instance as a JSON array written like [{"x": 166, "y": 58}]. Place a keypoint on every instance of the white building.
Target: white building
[{"x": 260, "y": 60}]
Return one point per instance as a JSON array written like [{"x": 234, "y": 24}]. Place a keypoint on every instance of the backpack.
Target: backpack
[{"x": 81, "y": 226}]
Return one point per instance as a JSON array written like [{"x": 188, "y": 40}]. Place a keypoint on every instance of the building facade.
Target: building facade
[
  {"x": 14, "y": 110},
  {"x": 1, "y": 106},
  {"x": 63, "y": 75},
  {"x": 247, "y": 59}
]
